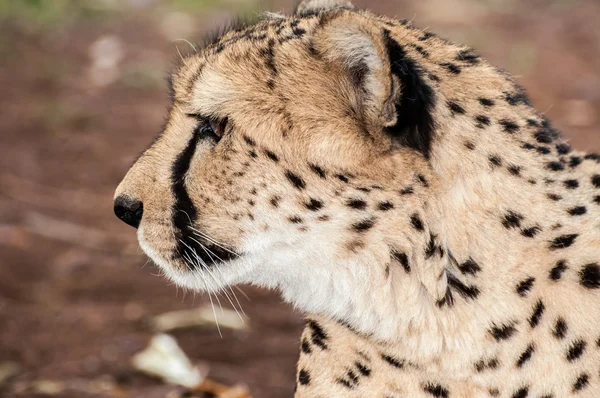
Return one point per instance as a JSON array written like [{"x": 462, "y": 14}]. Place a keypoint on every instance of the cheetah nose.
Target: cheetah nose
[{"x": 129, "y": 210}]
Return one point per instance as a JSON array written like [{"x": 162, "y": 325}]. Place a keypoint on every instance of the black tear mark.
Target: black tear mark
[
  {"x": 563, "y": 242},
  {"x": 538, "y": 311},
  {"x": 295, "y": 179},
  {"x": 415, "y": 126},
  {"x": 503, "y": 332},
  {"x": 525, "y": 356},
  {"x": 589, "y": 276}
]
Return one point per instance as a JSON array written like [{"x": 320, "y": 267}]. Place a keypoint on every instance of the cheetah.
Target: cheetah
[{"x": 441, "y": 238}]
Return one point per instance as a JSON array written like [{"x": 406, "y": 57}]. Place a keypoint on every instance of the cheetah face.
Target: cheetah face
[{"x": 276, "y": 165}]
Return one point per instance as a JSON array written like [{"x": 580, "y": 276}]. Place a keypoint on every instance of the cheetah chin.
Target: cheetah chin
[{"x": 440, "y": 236}]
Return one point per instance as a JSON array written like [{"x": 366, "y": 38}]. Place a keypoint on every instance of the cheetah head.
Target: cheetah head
[{"x": 292, "y": 148}]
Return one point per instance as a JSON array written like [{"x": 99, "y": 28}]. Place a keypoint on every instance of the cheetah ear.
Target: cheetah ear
[
  {"x": 357, "y": 48},
  {"x": 313, "y": 6}
]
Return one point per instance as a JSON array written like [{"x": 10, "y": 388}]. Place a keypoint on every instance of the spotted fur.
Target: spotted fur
[{"x": 403, "y": 193}]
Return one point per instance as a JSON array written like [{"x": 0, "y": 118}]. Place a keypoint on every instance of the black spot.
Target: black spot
[
  {"x": 295, "y": 220},
  {"x": 415, "y": 126},
  {"x": 342, "y": 178},
  {"x": 407, "y": 191},
  {"x": 399, "y": 364},
  {"x": 503, "y": 332},
  {"x": 363, "y": 369},
  {"x": 521, "y": 393},
  {"x": 469, "y": 145},
  {"x": 295, "y": 179},
  {"x": 514, "y": 170},
  {"x": 271, "y": 155},
  {"x": 436, "y": 390},
  {"x": 571, "y": 184},
  {"x": 577, "y": 211},
  {"x": 469, "y": 267},
  {"x": 482, "y": 121},
  {"x": 456, "y": 108},
  {"x": 453, "y": 68},
  {"x": 402, "y": 258},
  {"x": 357, "y": 204},
  {"x": 589, "y": 276},
  {"x": 314, "y": 205},
  {"x": 525, "y": 286},
  {"x": 426, "y": 36},
  {"x": 465, "y": 291},
  {"x": 495, "y": 160},
  {"x": 431, "y": 247},
  {"x": 555, "y": 166},
  {"x": 468, "y": 56},
  {"x": 249, "y": 141},
  {"x": 304, "y": 377},
  {"x": 562, "y": 242},
  {"x": 557, "y": 271},
  {"x": 554, "y": 197},
  {"x": 575, "y": 161},
  {"x": 305, "y": 346},
  {"x": 543, "y": 150},
  {"x": 509, "y": 126},
  {"x": 593, "y": 156},
  {"x": 576, "y": 350},
  {"x": 364, "y": 225},
  {"x": 597, "y": 200},
  {"x": 318, "y": 170},
  {"x": 252, "y": 153},
  {"x": 531, "y": 232},
  {"x": 512, "y": 220},
  {"x": 596, "y": 180},
  {"x": 563, "y": 149},
  {"x": 517, "y": 98},
  {"x": 423, "y": 180},
  {"x": 494, "y": 392},
  {"x": 483, "y": 365},
  {"x": 582, "y": 381},
  {"x": 538, "y": 311},
  {"x": 486, "y": 102},
  {"x": 560, "y": 328},
  {"x": 318, "y": 335},
  {"x": 345, "y": 383},
  {"x": 275, "y": 201},
  {"x": 416, "y": 222},
  {"x": 385, "y": 206},
  {"x": 543, "y": 136},
  {"x": 526, "y": 355}
]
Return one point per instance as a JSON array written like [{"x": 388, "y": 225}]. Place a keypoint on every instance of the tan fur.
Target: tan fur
[{"x": 287, "y": 88}]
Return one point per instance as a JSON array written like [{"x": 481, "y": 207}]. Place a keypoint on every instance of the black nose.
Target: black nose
[{"x": 129, "y": 210}]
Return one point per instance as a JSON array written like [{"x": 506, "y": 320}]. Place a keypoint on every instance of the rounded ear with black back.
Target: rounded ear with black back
[
  {"x": 312, "y": 6},
  {"x": 358, "y": 49},
  {"x": 393, "y": 89}
]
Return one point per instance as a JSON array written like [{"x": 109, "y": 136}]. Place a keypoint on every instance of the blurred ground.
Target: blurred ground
[{"x": 83, "y": 93}]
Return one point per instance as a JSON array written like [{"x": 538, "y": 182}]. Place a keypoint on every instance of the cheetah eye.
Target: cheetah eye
[{"x": 210, "y": 127}]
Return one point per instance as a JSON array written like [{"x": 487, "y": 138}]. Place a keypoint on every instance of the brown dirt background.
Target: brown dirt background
[{"x": 74, "y": 293}]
